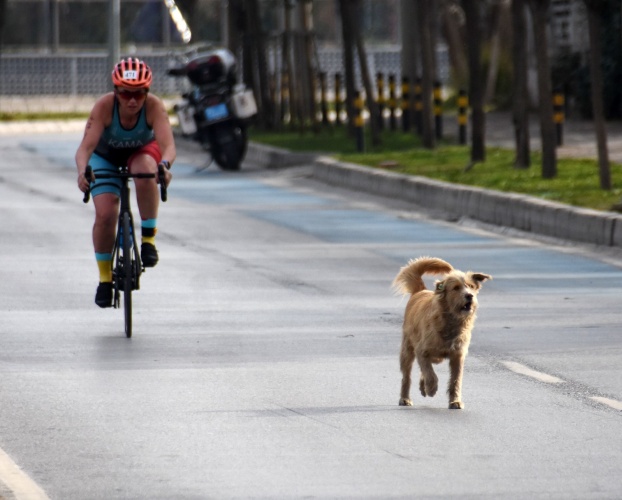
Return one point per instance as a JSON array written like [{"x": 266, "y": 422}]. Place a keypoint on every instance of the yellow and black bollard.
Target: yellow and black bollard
[
  {"x": 338, "y": 101},
  {"x": 405, "y": 104},
  {"x": 392, "y": 103},
  {"x": 418, "y": 106},
  {"x": 463, "y": 103},
  {"x": 558, "y": 115},
  {"x": 380, "y": 100},
  {"x": 438, "y": 109},
  {"x": 359, "y": 122},
  {"x": 323, "y": 99}
]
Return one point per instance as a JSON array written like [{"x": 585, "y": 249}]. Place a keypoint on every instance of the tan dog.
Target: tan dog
[{"x": 437, "y": 324}]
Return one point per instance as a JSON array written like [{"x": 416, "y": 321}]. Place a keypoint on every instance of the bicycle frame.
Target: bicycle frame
[{"x": 126, "y": 262}]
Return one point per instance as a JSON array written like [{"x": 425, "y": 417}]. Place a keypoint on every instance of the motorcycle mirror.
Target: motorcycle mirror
[{"x": 177, "y": 71}]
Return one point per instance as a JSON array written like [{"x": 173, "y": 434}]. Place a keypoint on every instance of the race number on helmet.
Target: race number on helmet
[{"x": 132, "y": 73}]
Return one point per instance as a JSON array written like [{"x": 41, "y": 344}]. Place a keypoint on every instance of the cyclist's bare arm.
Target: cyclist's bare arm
[
  {"x": 97, "y": 121},
  {"x": 157, "y": 114}
]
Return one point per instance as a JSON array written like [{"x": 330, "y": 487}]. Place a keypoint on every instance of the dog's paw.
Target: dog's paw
[
  {"x": 456, "y": 405},
  {"x": 422, "y": 388},
  {"x": 431, "y": 387},
  {"x": 406, "y": 402}
]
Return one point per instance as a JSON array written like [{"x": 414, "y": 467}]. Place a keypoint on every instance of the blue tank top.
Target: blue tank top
[{"x": 117, "y": 144}]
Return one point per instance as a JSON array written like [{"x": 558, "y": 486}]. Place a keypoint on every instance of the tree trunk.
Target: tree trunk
[
  {"x": 426, "y": 30},
  {"x": 2, "y": 16},
  {"x": 306, "y": 12},
  {"x": 594, "y": 10},
  {"x": 539, "y": 10},
  {"x": 476, "y": 92},
  {"x": 453, "y": 34},
  {"x": 410, "y": 48},
  {"x": 258, "y": 52},
  {"x": 372, "y": 105},
  {"x": 235, "y": 25},
  {"x": 287, "y": 84},
  {"x": 348, "y": 61},
  {"x": 521, "y": 94},
  {"x": 495, "y": 50}
]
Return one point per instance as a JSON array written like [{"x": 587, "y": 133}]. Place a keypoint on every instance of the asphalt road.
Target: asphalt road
[{"x": 264, "y": 357}]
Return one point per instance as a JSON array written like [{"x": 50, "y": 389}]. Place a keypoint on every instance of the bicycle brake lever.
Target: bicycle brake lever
[
  {"x": 162, "y": 181},
  {"x": 87, "y": 175}
]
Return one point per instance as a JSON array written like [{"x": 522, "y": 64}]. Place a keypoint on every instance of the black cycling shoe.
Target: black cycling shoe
[
  {"x": 103, "y": 297},
  {"x": 148, "y": 254}
]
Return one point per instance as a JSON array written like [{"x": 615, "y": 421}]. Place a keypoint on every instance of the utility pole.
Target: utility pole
[{"x": 114, "y": 32}]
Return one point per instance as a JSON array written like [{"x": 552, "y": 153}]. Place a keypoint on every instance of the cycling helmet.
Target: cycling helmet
[{"x": 132, "y": 73}]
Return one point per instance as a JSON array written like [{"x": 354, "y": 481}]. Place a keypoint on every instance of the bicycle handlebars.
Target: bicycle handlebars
[{"x": 88, "y": 175}]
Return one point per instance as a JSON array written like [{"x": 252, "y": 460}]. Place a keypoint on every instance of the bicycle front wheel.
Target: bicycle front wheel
[{"x": 128, "y": 273}]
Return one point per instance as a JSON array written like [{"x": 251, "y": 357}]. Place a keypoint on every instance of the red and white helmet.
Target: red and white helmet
[{"x": 132, "y": 73}]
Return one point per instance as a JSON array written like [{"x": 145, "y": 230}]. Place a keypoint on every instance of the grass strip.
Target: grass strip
[{"x": 576, "y": 183}]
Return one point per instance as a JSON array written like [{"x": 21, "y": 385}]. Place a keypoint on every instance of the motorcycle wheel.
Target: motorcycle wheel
[{"x": 229, "y": 148}]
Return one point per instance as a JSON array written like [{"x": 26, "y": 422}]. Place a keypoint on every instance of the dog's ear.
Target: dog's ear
[{"x": 479, "y": 278}]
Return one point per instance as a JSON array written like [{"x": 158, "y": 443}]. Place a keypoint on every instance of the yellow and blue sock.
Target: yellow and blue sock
[
  {"x": 149, "y": 230},
  {"x": 104, "y": 263}
]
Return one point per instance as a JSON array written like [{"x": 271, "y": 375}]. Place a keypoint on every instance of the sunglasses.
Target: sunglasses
[{"x": 131, "y": 94}]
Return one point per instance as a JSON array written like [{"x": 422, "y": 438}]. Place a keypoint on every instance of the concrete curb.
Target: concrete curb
[
  {"x": 271, "y": 157},
  {"x": 521, "y": 212}
]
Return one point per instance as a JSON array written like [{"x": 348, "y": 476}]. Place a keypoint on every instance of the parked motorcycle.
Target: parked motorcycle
[{"x": 217, "y": 111}]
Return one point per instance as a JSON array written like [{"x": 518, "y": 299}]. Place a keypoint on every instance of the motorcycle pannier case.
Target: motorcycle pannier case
[
  {"x": 243, "y": 103},
  {"x": 185, "y": 115}
]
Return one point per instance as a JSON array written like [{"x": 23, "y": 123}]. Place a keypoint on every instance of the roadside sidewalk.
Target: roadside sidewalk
[
  {"x": 579, "y": 139},
  {"x": 41, "y": 126}
]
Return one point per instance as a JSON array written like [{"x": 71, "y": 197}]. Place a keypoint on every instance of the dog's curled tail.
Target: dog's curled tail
[{"x": 408, "y": 280}]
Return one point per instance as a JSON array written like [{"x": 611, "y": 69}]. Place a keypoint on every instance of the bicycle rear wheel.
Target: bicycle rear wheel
[{"x": 128, "y": 273}]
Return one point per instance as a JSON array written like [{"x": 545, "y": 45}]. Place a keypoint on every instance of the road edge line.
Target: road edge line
[
  {"x": 611, "y": 403},
  {"x": 17, "y": 481},
  {"x": 525, "y": 370}
]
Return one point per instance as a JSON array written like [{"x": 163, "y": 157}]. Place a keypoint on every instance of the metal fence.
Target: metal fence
[{"x": 70, "y": 76}]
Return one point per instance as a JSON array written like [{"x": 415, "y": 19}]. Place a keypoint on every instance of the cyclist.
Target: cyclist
[{"x": 128, "y": 126}]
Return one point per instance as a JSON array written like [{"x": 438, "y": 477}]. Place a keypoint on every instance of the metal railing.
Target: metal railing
[{"x": 87, "y": 73}]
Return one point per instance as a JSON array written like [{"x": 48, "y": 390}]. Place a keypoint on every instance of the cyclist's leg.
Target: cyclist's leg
[
  {"x": 106, "y": 217},
  {"x": 148, "y": 198},
  {"x": 106, "y": 202}
]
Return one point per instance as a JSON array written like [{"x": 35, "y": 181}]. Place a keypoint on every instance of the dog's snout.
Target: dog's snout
[{"x": 469, "y": 297}]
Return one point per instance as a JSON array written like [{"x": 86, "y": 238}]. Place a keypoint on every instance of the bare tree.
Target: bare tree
[
  {"x": 595, "y": 9},
  {"x": 287, "y": 77},
  {"x": 2, "y": 14},
  {"x": 539, "y": 10},
  {"x": 303, "y": 72},
  {"x": 235, "y": 25},
  {"x": 372, "y": 106},
  {"x": 352, "y": 39},
  {"x": 476, "y": 91},
  {"x": 520, "y": 95},
  {"x": 410, "y": 46},
  {"x": 428, "y": 46},
  {"x": 261, "y": 64},
  {"x": 452, "y": 22},
  {"x": 497, "y": 11},
  {"x": 348, "y": 60}
]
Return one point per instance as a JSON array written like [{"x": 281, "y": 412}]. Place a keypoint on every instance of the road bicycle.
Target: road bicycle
[{"x": 126, "y": 263}]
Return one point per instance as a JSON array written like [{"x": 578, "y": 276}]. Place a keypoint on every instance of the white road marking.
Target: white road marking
[
  {"x": 525, "y": 370},
  {"x": 18, "y": 482},
  {"x": 550, "y": 379},
  {"x": 616, "y": 405}
]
